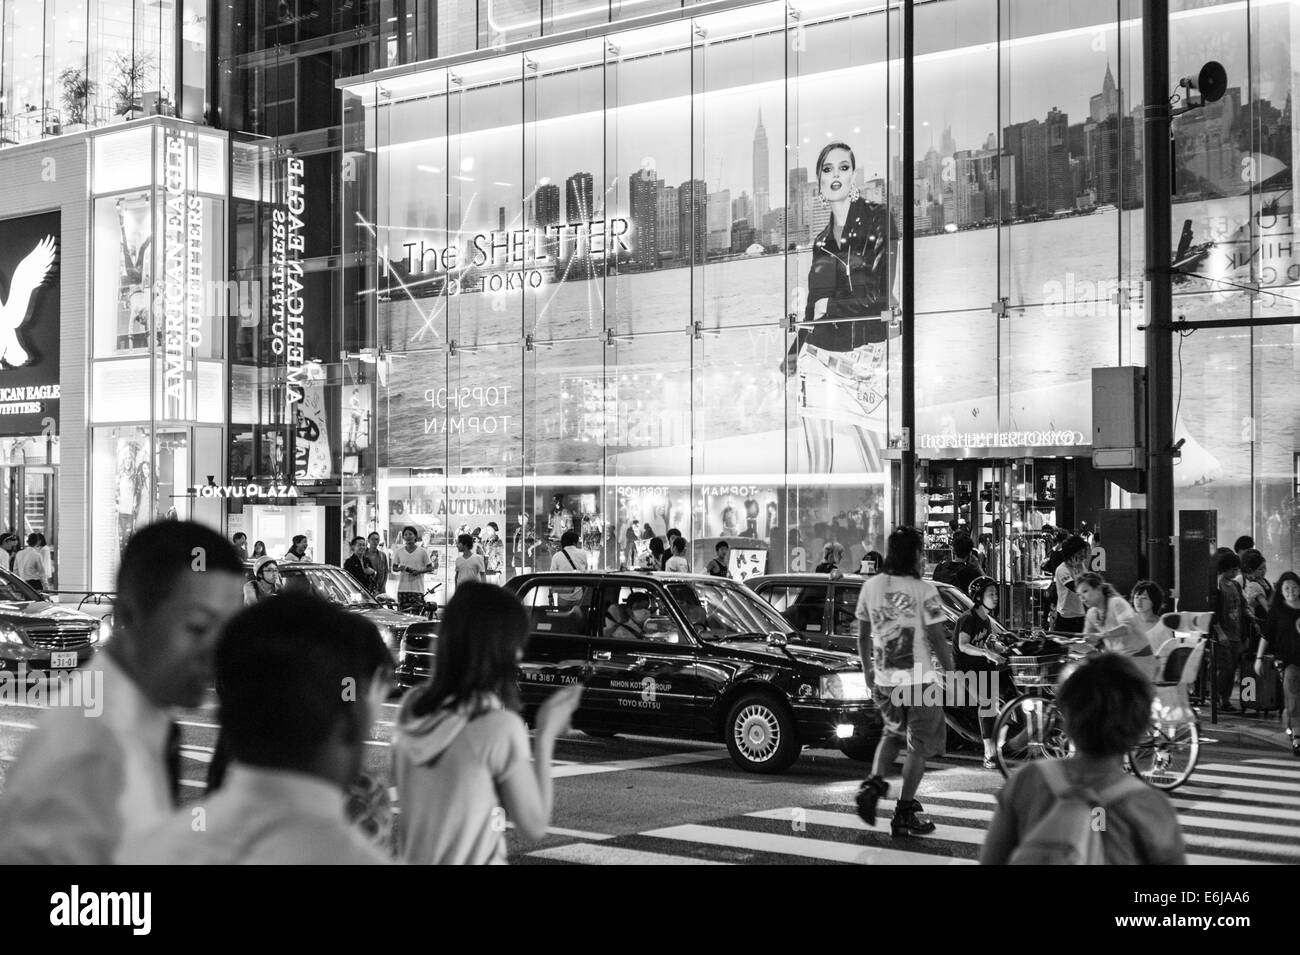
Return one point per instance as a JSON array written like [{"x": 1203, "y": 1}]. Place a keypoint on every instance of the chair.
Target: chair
[{"x": 1178, "y": 662}]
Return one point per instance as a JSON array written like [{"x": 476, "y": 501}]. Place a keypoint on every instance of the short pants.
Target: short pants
[{"x": 922, "y": 727}]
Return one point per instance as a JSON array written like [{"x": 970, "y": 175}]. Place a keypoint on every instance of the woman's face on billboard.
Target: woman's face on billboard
[{"x": 835, "y": 177}]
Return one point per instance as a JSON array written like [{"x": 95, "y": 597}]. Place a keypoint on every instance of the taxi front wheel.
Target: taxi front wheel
[{"x": 761, "y": 735}]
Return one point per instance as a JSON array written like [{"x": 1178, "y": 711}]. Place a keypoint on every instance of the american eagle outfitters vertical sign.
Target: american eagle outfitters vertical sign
[
  {"x": 288, "y": 242},
  {"x": 182, "y": 293}
]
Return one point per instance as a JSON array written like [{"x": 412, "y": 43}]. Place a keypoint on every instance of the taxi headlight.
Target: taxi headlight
[
  {"x": 844, "y": 686},
  {"x": 11, "y": 634}
]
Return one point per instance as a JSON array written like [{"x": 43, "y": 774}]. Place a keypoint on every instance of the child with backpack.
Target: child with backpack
[{"x": 1086, "y": 810}]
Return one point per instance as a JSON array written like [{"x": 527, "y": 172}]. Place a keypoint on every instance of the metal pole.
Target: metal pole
[
  {"x": 907, "y": 480},
  {"x": 1159, "y": 294}
]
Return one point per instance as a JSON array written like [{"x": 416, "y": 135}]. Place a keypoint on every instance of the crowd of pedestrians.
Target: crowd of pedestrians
[{"x": 87, "y": 790}]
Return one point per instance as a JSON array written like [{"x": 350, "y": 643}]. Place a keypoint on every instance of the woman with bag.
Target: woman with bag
[{"x": 461, "y": 755}]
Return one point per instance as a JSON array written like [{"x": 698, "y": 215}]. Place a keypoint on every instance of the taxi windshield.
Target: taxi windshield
[
  {"x": 332, "y": 584},
  {"x": 718, "y": 611}
]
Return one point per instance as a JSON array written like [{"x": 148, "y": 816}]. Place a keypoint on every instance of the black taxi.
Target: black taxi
[
  {"x": 691, "y": 656},
  {"x": 822, "y": 607}
]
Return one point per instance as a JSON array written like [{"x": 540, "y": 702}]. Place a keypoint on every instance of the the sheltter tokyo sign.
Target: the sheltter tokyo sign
[
  {"x": 1003, "y": 439},
  {"x": 183, "y": 290},
  {"x": 288, "y": 243},
  {"x": 520, "y": 254}
]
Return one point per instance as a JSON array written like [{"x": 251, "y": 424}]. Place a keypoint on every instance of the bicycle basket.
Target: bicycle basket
[{"x": 1040, "y": 670}]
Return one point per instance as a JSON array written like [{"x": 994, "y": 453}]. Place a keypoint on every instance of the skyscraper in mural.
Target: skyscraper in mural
[
  {"x": 761, "y": 163},
  {"x": 578, "y": 197}
]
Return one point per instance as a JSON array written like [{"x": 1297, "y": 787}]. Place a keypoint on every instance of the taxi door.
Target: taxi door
[
  {"x": 558, "y": 647},
  {"x": 644, "y": 683}
]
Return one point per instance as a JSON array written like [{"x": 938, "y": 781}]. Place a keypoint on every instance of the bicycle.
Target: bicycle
[
  {"x": 1030, "y": 726},
  {"x": 1167, "y": 756}
]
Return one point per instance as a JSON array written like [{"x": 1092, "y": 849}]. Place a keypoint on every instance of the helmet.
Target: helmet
[
  {"x": 261, "y": 564},
  {"x": 977, "y": 587}
]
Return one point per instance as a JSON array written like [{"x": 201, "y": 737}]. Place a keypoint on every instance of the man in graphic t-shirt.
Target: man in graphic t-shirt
[{"x": 900, "y": 633}]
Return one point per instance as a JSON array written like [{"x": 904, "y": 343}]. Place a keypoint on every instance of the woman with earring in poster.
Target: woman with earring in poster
[{"x": 839, "y": 356}]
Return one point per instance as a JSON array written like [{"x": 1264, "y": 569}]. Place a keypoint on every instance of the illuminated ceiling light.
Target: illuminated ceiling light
[{"x": 467, "y": 164}]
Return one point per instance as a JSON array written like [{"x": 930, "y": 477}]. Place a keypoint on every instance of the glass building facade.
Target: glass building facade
[
  {"x": 588, "y": 244},
  {"x": 71, "y": 65}
]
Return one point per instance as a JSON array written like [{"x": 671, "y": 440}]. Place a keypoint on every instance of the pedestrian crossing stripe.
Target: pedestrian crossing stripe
[
  {"x": 792, "y": 845},
  {"x": 1220, "y": 827}
]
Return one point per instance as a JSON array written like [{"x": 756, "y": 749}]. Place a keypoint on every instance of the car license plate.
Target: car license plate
[{"x": 63, "y": 661}]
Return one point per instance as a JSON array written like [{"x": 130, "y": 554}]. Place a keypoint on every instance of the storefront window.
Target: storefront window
[{"x": 726, "y": 358}]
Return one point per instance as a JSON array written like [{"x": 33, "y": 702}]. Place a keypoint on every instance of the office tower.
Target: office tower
[
  {"x": 578, "y": 206},
  {"x": 761, "y": 166},
  {"x": 667, "y": 228},
  {"x": 643, "y": 203},
  {"x": 546, "y": 205},
  {"x": 692, "y": 224}
]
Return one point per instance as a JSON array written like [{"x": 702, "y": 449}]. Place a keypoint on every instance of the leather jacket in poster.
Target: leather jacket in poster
[{"x": 853, "y": 278}]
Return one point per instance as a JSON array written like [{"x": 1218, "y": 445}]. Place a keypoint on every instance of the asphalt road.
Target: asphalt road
[{"x": 631, "y": 800}]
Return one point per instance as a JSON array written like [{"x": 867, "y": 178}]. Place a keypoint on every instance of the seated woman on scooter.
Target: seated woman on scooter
[{"x": 977, "y": 651}]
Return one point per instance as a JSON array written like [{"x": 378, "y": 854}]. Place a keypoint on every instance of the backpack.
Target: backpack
[
  {"x": 1067, "y": 835},
  {"x": 947, "y": 571}
]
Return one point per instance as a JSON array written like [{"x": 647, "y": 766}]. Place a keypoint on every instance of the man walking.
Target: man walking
[
  {"x": 378, "y": 560},
  {"x": 29, "y": 563},
  {"x": 900, "y": 624},
  {"x": 283, "y": 798},
  {"x": 85, "y": 777},
  {"x": 720, "y": 566}
]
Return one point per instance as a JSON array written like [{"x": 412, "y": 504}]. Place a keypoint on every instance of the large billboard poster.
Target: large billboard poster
[{"x": 29, "y": 325}]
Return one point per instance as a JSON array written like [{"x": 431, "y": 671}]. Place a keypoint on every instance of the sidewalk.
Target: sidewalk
[{"x": 1249, "y": 729}]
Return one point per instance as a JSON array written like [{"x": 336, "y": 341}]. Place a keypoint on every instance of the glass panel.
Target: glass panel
[
  {"x": 564, "y": 178},
  {"x": 738, "y": 86},
  {"x": 649, "y": 153},
  {"x": 1213, "y": 411},
  {"x": 486, "y": 209},
  {"x": 1276, "y": 428},
  {"x": 961, "y": 186},
  {"x": 122, "y": 492}
]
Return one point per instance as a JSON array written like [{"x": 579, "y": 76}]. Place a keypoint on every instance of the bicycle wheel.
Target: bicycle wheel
[
  {"x": 1166, "y": 758},
  {"x": 1029, "y": 728}
]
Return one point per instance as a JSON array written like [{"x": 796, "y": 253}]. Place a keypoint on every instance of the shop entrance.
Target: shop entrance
[
  {"x": 1010, "y": 507},
  {"x": 28, "y": 502}
]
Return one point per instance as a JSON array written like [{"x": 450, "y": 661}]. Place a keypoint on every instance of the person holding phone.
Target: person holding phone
[{"x": 461, "y": 755}]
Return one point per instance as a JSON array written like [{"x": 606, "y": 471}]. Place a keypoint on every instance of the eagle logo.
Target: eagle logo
[{"x": 30, "y": 274}]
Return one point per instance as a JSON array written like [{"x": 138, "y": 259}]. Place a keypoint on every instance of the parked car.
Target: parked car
[
  {"x": 41, "y": 635},
  {"x": 822, "y": 609},
  {"x": 339, "y": 587}
]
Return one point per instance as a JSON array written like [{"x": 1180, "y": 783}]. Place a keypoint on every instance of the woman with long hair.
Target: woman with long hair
[
  {"x": 839, "y": 356},
  {"x": 461, "y": 752},
  {"x": 1111, "y": 624},
  {"x": 1281, "y": 638}
]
